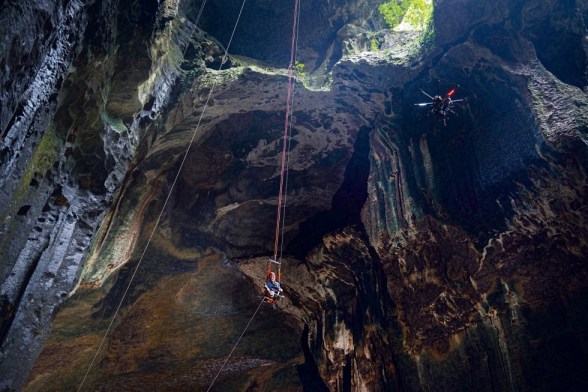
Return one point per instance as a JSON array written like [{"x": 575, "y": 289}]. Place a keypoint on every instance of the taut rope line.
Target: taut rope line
[
  {"x": 235, "y": 346},
  {"x": 288, "y": 155},
  {"x": 286, "y": 126}
]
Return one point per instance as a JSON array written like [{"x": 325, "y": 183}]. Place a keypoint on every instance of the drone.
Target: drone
[{"x": 441, "y": 106}]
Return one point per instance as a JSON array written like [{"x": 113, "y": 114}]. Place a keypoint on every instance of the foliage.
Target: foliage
[
  {"x": 393, "y": 11},
  {"x": 374, "y": 45},
  {"x": 419, "y": 14},
  {"x": 428, "y": 36},
  {"x": 416, "y": 13},
  {"x": 300, "y": 69}
]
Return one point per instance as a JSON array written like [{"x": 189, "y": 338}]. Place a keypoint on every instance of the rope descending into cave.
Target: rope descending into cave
[
  {"x": 235, "y": 346},
  {"x": 225, "y": 56},
  {"x": 281, "y": 209}
]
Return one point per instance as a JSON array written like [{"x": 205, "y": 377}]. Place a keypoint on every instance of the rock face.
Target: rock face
[{"x": 140, "y": 169}]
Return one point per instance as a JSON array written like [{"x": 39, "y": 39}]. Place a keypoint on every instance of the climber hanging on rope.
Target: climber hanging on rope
[
  {"x": 272, "y": 290},
  {"x": 272, "y": 287}
]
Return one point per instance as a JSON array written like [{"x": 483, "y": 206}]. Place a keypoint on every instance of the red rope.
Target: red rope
[{"x": 287, "y": 122}]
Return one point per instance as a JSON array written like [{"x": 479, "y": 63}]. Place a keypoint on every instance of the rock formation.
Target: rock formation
[{"x": 140, "y": 169}]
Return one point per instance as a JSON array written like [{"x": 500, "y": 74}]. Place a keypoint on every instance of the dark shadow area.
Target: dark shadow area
[
  {"x": 346, "y": 205},
  {"x": 6, "y": 316},
  {"x": 22, "y": 211},
  {"x": 558, "y": 345},
  {"x": 308, "y": 371}
]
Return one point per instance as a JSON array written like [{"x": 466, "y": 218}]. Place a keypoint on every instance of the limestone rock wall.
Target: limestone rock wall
[
  {"x": 419, "y": 256},
  {"x": 71, "y": 127}
]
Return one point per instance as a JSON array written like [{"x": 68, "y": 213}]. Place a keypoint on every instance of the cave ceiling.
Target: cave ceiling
[{"x": 140, "y": 169}]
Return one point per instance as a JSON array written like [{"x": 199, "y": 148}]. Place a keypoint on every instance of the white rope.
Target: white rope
[
  {"x": 166, "y": 199},
  {"x": 288, "y": 149},
  {"x": 235, "y": 346}
]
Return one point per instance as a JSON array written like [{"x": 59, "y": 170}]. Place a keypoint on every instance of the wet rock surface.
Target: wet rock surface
[{"x": 418, "y": 256}]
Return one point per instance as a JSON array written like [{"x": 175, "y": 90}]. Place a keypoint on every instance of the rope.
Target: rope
[
  {"x": 287, "y": 163},
  {"x": 235, "y": 346},
  {"x": 166, "y": 199},
  {"x": 285, "y": 143},
  {"x": 283, "y": 179}
]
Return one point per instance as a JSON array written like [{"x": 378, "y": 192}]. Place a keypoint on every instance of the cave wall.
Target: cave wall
[
  {"x": 72, "y": 131},
  {"x": 489, "y": 178},
  {"x": 420, "y": 256}
]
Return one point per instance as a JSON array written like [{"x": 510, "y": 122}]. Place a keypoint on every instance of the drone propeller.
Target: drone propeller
[
  {"x": 422, "y": 91},
  {"x": 423, "y": 104}
]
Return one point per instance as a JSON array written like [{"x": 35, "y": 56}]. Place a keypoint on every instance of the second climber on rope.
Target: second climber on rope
[{"x": 272, "y": 287}]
